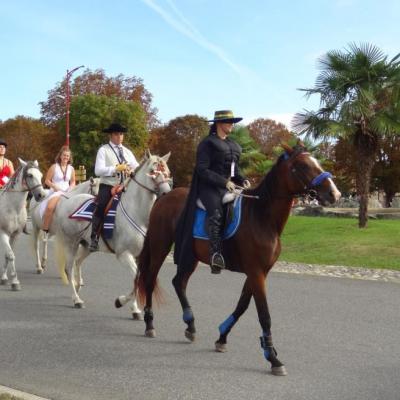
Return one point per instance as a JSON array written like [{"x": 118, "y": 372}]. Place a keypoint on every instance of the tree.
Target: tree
[
  {"x": 93, "y": 113},
  {"x": 29, "y": 139},
  {"x": 180, "y": 136},
  {"x": 253, "y": 163},
  {"x": 386, "y": 172},
  {"x": 269, "y": 134},
  {"x": 360, "y": 101},
  {"x": 97, "y": 83}
]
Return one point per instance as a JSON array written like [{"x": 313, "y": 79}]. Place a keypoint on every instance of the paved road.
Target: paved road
[{"x": 339, "y": 339}]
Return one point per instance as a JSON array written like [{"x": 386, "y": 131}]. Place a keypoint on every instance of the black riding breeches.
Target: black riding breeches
[{"x": 103, "y": 198}]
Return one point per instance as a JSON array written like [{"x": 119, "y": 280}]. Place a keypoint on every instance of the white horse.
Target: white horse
[
  {"x": 13, "y": 216},
  {"x": 91, "y": 187},
  {"x": 150, "y": 180}
]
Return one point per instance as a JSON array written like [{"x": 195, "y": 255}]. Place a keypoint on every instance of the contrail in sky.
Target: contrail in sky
[{"x": 182, "y": 25}]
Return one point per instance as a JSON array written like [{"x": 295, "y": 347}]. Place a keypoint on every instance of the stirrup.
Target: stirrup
[{"x": 217, "y": 263}]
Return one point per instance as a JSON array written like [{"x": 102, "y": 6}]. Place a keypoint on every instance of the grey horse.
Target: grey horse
[
  {"x": 13, "y": 196},
  {"x": 150, "y": 180}
]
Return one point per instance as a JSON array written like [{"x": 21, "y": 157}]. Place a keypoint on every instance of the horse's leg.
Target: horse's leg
[
  {"x": 227, "y": 325},
  {"x": 259, "y": 292},
  {"x": 127, "y": 259},
  {"x": 5, "y": 244},
  {"x": 83, "y": 252},
  {"x": 180, "y": 283},
  {"x": 44, "y": 253},
  {"x": 8, "y": 245},
  {"x": 35, "y": 244},
  {"x": 70, "y": 252}
]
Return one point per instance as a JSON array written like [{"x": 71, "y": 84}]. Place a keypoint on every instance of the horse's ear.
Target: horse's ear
[
  {"x": 287, "y": 148},
  {"x": 22, "y": 162},
  {"x": 166, "y": 157},
  {"x": 36, "y": 164},
  {"x": 147, "y": 154}
]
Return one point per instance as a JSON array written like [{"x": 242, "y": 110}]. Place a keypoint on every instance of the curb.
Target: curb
[{"x": 19, "y": 394}]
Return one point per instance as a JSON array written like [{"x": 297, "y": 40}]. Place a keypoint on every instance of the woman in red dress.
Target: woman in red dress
[{"x": 6, "y": 166}]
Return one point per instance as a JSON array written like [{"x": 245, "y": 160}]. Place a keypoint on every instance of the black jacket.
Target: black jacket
[{"x": 213, "y": 169}]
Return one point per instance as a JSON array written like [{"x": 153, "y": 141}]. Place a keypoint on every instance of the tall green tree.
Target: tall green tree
[
  {"x": 360, "y": 101},
  {"x": 93, "y": 113}
]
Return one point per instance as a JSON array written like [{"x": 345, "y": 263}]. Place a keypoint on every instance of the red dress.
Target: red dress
[{"x": 5, "y": 172}]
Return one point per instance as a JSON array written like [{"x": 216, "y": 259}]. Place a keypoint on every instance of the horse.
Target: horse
[
  {"x": 252, "y": 250},
  {"x": 90, "y": 186},
  {"x": 150, "y": 180},
  {"x": 13, "y": 196}
]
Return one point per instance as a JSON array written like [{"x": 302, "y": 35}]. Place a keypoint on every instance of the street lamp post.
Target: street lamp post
[{"x": 67, "y": 102}]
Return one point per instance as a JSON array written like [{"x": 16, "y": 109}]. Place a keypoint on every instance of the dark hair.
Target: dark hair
[
  {"x": 213, "y": 129},
  {"x": 62, "y": 150}
]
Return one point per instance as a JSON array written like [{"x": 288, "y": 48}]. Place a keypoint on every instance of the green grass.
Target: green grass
[{"x": 339, "y": 241}]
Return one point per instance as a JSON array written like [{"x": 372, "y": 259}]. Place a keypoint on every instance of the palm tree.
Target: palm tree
[{"x": 359, "y": 101}]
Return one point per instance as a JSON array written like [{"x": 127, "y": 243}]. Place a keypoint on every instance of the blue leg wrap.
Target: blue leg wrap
[
  {"x": 266, "y": 344},
  {"x": 188, "y": 315},
  {"x": 227, "y": 325}
]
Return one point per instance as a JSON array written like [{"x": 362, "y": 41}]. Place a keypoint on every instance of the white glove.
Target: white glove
[
  {"x": 230, "y": 186},
  {"x": 246, "y": 184}
]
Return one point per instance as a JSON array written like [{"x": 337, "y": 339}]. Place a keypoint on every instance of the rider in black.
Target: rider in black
[{"x": 216, "y": 172}]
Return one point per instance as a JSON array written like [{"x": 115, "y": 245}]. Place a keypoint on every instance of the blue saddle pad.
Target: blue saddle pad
[
  {"x": 199, "y": 226},
  {"x": 85, "y": 212}
]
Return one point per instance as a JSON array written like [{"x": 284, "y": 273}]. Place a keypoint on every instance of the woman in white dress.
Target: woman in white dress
[{"x": 60, "y": 178}]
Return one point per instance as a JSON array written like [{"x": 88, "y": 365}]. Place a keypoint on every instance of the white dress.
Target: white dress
[{"x": 62, "y": 182}]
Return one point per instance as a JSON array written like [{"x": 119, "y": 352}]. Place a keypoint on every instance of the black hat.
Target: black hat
[
  {"x": 3, "y": 142},
  {"x": 115, "y": 128},
  {"x": 225, "y": 116}
]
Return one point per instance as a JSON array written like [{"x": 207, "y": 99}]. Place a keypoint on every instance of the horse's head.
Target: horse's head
[
  {"x": 306, "y": 176},
  {"x": 153, "y": 174},
  {"x": 32, "y": 179}
]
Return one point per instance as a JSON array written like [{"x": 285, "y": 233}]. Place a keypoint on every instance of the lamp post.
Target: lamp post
[{"x": 67, "y": 101}]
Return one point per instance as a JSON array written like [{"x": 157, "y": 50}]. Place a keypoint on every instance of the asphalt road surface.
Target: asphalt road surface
[{"x": 339, "y": 338}]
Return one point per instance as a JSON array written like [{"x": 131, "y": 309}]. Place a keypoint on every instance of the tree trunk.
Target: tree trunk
[{"x": 365, "y": 163}]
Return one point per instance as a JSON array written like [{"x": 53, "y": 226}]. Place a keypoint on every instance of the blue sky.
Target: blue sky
[{"x": 194, "y": 56}]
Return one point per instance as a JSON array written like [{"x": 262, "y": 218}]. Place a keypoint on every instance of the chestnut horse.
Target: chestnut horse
[{"x": 253, "y": 249}]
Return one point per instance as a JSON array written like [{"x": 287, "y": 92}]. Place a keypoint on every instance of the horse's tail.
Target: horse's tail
[
  {"x": 60, "y": 258},
  {"x": 146, "y": 276}
]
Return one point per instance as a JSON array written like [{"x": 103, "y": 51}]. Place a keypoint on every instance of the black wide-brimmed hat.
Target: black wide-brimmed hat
[
  {"x": 225, "y": 116},
  {"x": 3, "y": 142},
  {"x": 115, "y": 128}
]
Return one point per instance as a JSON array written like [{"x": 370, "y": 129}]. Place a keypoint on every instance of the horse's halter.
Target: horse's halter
[
  {"x": 301, "y": 176},
  {"x": 159, "y": 170}
]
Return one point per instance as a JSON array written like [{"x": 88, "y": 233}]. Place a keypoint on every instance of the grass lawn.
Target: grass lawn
[{"x": 339, "y": 241}]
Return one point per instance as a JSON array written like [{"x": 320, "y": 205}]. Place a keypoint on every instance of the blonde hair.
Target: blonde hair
[{"x": 63, "y": 149}]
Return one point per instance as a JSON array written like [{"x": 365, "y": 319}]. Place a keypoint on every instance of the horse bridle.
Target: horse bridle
[
  {"x": 300, "y": 175},
  {"x": 24, "y": 171},
  {"x": 159, "y": 170}
]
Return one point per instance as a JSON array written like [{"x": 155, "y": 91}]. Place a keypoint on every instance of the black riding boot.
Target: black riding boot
[
  {"x": 94, "y": 237},
  {"x": 214, "y": 229}
]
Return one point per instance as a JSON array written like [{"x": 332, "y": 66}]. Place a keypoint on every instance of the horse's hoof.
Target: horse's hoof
[
  {"x": 40, "y": 271},
  {"x": 117, "y": 303},
  {"x": 220, "y": 347},
  {"x": 15, "y": 287},
  {"x": 190, "y": 335},
  {"x": 150, "y": 333},
  {"x": 137, "y": 316},
  {"x": 3, "y": 281},
  {"x": 79, "y": 305},
  {"x": 279, "y": 371}
]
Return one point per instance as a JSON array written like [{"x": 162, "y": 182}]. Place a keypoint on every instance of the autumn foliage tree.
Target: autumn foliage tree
[
  {"x": 180, "y": 136},
  {"x": 97, "y": 83},
  {"x": 269, "y": 134},
  {"x": 30, "y": 139}
]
